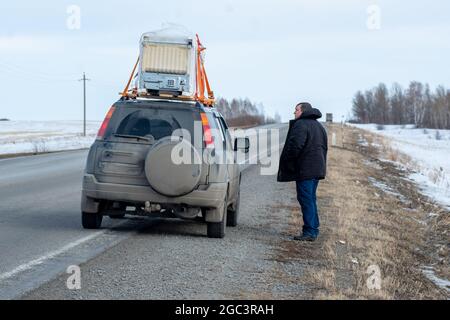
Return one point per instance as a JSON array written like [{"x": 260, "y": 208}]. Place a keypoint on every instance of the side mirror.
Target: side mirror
[{"x": 242, "y": 144}]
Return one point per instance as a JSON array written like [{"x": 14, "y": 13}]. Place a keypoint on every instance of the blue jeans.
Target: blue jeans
[{"x": 306, "y": 196}]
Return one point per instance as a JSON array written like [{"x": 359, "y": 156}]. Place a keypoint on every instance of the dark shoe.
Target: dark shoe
[{"x": 305, "y": 238}]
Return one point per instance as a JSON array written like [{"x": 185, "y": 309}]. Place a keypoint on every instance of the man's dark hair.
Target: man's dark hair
[{"x": 305, "y": 106}]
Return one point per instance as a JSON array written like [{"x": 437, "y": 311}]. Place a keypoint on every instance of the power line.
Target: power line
[{"x": 31, "y": 69}]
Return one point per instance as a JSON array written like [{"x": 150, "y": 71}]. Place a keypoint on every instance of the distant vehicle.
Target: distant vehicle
[
  {"x": 130, "y": 169},
  {"x": 4, "y": 119}
]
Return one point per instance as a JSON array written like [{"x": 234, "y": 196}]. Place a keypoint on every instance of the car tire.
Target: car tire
[
  {"x": 91, "y": 220},
  {"x": 233, "y": 214},
  {"x": 217, "y": 229}
]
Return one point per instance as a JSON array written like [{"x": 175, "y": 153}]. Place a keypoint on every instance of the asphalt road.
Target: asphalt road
[{"x": 41, "y": 234}]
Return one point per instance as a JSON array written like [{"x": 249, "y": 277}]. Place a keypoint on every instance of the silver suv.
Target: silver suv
[{"x": 158, "y": 157}]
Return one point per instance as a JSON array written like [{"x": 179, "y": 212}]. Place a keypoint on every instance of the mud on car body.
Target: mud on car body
[{"x": 130, "y": 170}]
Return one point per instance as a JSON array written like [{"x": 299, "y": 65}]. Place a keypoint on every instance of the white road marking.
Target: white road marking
[{"x": 40, "y": 260}]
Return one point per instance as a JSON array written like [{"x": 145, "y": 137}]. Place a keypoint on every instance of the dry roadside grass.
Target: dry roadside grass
[
  {"x": 364, "y": 227},
  {"x": 434, "y": 220}
]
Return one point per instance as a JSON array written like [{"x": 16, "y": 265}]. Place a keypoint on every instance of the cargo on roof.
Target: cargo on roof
[
  {"x": 167, "y": 61},
  {"x": 170, "y": 64}
]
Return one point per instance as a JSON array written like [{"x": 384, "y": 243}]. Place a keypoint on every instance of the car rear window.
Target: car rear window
[{"x": 158, "y": 121}]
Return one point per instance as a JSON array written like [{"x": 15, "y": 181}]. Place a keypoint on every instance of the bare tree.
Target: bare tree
[
  {"x": 277, "y": 117},
  {"x": 381, "y": 103},
  {"x": 415, "y": 101},
  {"x": 398, "y": 112},
  {"x": 360, "y": 108},
  {"x": 370, "y": 107},
  {"x": 417, "y": 104},
  {"x": 242, "y": 112}
]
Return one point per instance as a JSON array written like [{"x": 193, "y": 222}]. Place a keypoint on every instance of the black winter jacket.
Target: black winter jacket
[{"x": 304, "y": 154}]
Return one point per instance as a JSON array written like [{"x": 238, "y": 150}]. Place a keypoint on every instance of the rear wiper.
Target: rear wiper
[{"x": 132, "y": 137}]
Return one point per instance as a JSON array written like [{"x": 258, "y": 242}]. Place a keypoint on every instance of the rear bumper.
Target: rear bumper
[{"x": 211, "y": 197}]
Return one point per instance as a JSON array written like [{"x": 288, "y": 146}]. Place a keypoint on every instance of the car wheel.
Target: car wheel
[
  {"x": 217, "y": 229},
  {"x": 91, "y": 220},
  {"x": 233, "y": 214}
]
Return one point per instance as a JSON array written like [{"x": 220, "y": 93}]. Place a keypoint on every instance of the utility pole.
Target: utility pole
[{"x": 84, "y": 79}]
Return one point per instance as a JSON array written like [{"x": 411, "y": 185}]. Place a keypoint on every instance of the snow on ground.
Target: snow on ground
[
  {"x": 431, "y": 275},
  {"x": 430, "y": 151},
  {"x": 386, "y": 189},
  {"x": 45, "y": 136}
]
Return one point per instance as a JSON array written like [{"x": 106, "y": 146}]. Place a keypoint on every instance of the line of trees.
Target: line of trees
[
  {"x": 417, "y": 104},
  {"x": 243, "y": 112}
]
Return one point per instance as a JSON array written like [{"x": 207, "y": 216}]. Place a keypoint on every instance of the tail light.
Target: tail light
[
  {"x": 102, "y": 130},
  {"x": 207, "y": 136}
]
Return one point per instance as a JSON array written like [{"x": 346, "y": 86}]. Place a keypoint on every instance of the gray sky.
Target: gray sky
[{"x": 276, "y": 52}]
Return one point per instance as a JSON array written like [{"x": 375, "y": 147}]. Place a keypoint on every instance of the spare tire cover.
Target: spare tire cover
[{"x": 172, "y": 177}]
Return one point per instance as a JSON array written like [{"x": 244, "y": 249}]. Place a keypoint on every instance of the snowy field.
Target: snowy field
[
  {"x": 45, "y": 136},
  {"x": 430, "y": 152}
]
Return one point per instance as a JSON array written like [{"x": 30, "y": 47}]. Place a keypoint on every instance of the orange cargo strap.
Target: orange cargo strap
[
  {"x": 125, "y": 91},
  {"x": 202, "y": 79}
]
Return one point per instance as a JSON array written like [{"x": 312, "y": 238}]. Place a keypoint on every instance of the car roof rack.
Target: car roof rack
[
  {"x": 201, "y": 84},
  {"x": 164, "y": 98}
]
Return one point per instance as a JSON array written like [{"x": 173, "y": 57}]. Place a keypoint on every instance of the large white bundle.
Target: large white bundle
[
  {"x": 167, "y": 61},
  {"x": 165, "y": 58}
]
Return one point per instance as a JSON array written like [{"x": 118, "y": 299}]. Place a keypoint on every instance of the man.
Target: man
[{"x": 303, "y": 160}]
